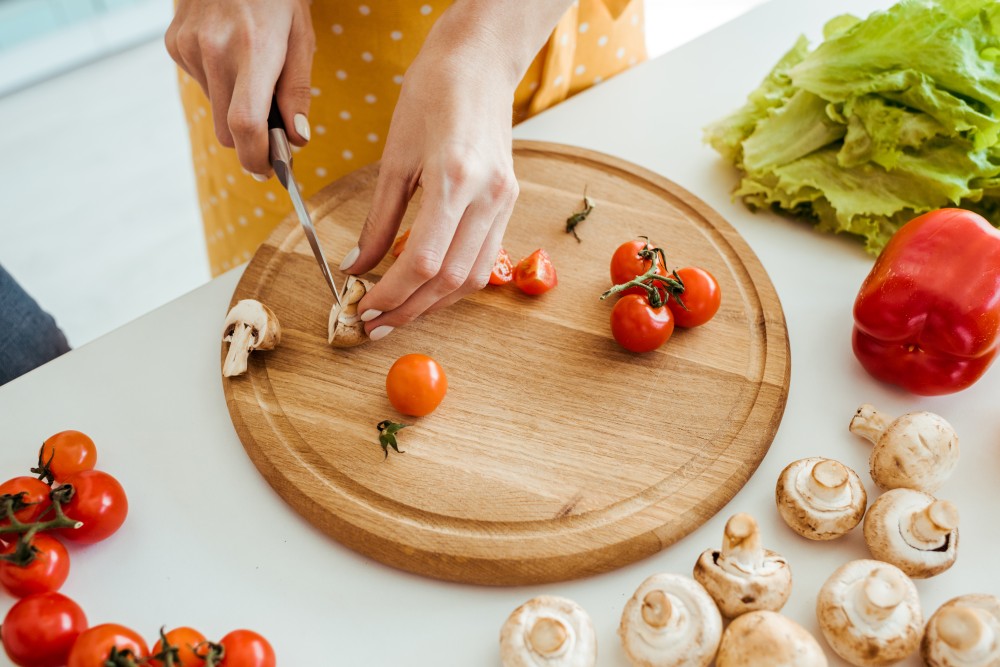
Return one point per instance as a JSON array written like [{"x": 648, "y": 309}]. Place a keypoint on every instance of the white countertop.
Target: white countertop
[{"x": 207, "y": 542}]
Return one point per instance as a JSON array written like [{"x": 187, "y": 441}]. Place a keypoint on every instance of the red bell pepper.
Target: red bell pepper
[{"x": 927, "y": 317}]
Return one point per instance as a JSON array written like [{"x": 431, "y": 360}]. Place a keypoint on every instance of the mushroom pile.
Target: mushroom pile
[{"x": 548, "y": 631}]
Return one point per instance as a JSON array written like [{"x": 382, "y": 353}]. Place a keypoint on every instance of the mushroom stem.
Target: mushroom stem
[
  {"x": 656, "y": 609},
  {"x": 741, "y": 548},
  {"x": 828, "y": 480},
  {"x": 869, "y": 423},
  {"x": 964, "y": 629},
  {"x": 547, "y": 636},
  {"x": 929, "y": 528},
  {"x": 879, "y": 594},
  {"x": 239, "y": 350}
]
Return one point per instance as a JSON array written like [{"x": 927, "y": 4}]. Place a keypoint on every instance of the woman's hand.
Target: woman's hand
[{"x": 239, "y": 51}]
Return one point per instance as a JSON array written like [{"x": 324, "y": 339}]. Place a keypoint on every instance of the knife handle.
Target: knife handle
[
  {"x": 274, "y": 121},
  {"x": 280, "y": 151}
]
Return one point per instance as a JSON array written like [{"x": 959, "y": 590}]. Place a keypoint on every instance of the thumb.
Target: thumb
[
  {"x": 392, "y": 192},
  {"x": 293, "y": 89}
]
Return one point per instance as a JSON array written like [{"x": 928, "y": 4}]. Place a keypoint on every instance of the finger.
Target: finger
[
  {"x": 188, "y": 55},
  {"x": 247, "y": 116},
  {"x": 294, "y": 90},
  {"x": 393, "y": 190},
  {"x": 220, "y": 93}
]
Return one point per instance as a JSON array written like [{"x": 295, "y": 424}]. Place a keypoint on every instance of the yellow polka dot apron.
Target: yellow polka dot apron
[{"x": 362, "y": 52}]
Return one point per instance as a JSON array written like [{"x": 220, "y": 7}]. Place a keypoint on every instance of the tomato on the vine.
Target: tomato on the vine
[
  {"x": 503, "y": 269},
  {"x": 701, "y": 297},
  {"x": 93, "y": 646},
  {"x": 39, "y": 630},
  {"x": 246, "y": 648},
  {"x": 70, "y": 452},
  {"x": 638, "y": 326},
  {"x": 416, "y": 384},
  {"x": 36, "y": 499},
  {"x": 535, "y": 274},
  {"x": 45, "y": 573},
  {"x": 98, "y": 501},
  {"x": 626, "y": 264},
  {"x": 186, "y": 640}
]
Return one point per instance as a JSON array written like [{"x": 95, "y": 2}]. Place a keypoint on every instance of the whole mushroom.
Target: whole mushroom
[
  {"x": 913, "y": 531},
  {"x": 768, "y": 639},
  {"x": 551, "y": 631},
  {"x": 869, "y": 613},
  {"x": 250, "y": 325},
  {"x": 345, "y": 328},
  {"x": 820, "y": 499},
  {"x": 743, "y": 576},
  {"x": 918, "y": 450},
  {"x": 670, "y": 621},
  {"x": 964, "y": 632}
]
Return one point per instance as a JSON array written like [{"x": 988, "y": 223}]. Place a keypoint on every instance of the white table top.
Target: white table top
[{"x": 207, "y": 542}]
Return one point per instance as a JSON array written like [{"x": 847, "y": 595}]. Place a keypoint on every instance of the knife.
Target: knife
[{"x": 281, "y": 162}]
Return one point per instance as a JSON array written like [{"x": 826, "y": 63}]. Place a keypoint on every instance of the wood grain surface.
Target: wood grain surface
[{"x": 556, "y": 454}]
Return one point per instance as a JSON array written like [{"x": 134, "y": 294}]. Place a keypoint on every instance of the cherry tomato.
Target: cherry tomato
[
  {"x": 99, "y": 502},
  {"x": 186, "y": 640},
  {"x": 503, "y": 269},
  {"x": 702, "y": 297},
  {"x": 400, "y": 244},
  {"x": 416, "y": 384},
  {"x": 639, "y": 327},
  {"x": 93, "y": 646},
  {"x": 36, "y": 495},
  {"x": 73, "y": 452},
  {"x": 46, "y": 573},
  {"x": 245, "y": 648},
  {"x": 39, "y": 630},
  {"x": 535, "y": 274},
  {"x": 626, "y": 264}
]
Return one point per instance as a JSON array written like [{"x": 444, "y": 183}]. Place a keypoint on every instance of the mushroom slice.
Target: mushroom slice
[
  {"x": 550, "y": 631},
  {"x": 820, "y": 499},
  {"x": 964, "y": 632},
  {"x": 869, "y": 613},
  {"x": 670, "y": 621},
  {"x": 345, "y": 328},
  {"x": 250, "y": 325},
  {"x": 918, "y": 450},
  {"x": 913, "y": 531},
  {"x": 768, "y": 639},
  {"x": 744, "y": 576}
]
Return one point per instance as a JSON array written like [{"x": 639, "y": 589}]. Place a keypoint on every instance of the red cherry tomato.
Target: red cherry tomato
[
  {"x": 639, "y": 327},
  {"x": 39, "y": 630},
  {"x": 46, "y": 573},
  {"x": 399, "y": 245},
  {"x": 535, "y": 274},
  {"x": 245, "y": 648},
  {"x": 186, "y": 640},
  {"x": 71, "y": 452},
  {"x": 702, "y": 297},
  {"x": 503, "y": 269},
  {"x": 416, "y": 384},
  {"x": 626, "y": 264},
  {"x": 99, "y": 502},
  {"x": 36, "y": 497},
  {"x": 93, "y": 646}
]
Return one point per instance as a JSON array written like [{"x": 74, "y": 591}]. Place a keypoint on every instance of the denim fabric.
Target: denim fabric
[{"x": 29, "y": 336}]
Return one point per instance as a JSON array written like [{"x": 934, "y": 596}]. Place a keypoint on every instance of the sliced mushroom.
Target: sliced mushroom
[
  {"x": 345, "y": 328},
  {"x": 964, "y": 632},
  {"x": 250, "y": 325},
  {"x": 918, "y": 450},
  {"x": 869, "y": 613},
  {"x": 820, "y": 499},
  {"x": 913, "y": 531},
  {"x": 551, "y": 631},
  {"x": 768, "y": 639},
  {"x": 670, "y": 621},
  {"x": 743, "y": 576}
]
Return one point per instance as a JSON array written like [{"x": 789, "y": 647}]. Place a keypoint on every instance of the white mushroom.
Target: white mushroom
[
  {"x": 869, "y": 613},
  {"x": 820, "y": 499},
  {"x": 913, "y": 531},
  {"x": 916, "y": 451},
  {"x": 250, "y": 325},
  {"x": 964, "y": 632},
  {"x": 743, "y": 576},
  {"x": 768, "y": 639},
  {"x": 345, "y": 328},
  {"x": 550, "y": 631},
  {"x": 670, "y": 621}
]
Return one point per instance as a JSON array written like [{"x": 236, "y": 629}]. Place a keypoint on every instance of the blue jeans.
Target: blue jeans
[{"x": 29, "y": 335}]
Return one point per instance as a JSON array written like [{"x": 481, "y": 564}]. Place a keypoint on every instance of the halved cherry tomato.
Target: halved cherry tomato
[
  {"x": 637, "y": 326},
  {"x": 701, "y": 296},
  {"x": 416, "y": 384},
  {"x": 246, "y": 648},
  {"x": 39, "y": 630},
  {"x": 186, "y": 640},
  {"x": 93, "y": 646},
  {"x": 71, "y": 451},
  {"x": 36, "y": 496},
  {"x": 503, "y": 269},
  {"x": 400, "y": 244},
  {"x": 46, "y": 573},
  {"x": 98, "y": 501},
  {"x": 535, "y": 274}
]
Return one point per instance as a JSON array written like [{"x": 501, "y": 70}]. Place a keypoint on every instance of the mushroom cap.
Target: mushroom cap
[
  {"x": 737, "y": 592},
  {"x": 919, "y": 450},
  {"x": 889, "y": 538},
  {"x": 345, "y": 328},
  {"x": 819, "y": 498},
  {"x": 551, "y": 631},
  {"x": 768, "y": 639},
  {"x": 267, "y": 329},
  {"x": 964, "y": 632},
  {"x": 869, "y": 613},
  {"x": 670, "y": 621}
]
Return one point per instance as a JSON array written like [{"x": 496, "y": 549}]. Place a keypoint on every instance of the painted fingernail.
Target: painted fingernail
[
  {"x": 259, "y": 177},
  {"x": 370, "y": 315},
  {"x": 350, "y": 258},
  {"x": 378, "y": 333},
  {"x": 302, "y": 125}
]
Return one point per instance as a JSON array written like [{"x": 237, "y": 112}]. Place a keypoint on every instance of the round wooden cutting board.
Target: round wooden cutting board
[{"x": 556, "y": 454}]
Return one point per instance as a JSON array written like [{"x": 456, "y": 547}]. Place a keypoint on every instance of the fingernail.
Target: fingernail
[
  {"x": 378, "y": 333},
  {"x": 302, "y": 125},
  {"x": 370, "y": 315},
  {"x": 350, "y": 258},
  {"x": 259, "y": 177}
]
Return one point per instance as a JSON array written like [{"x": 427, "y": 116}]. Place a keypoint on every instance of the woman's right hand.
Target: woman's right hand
[{"x": 239, "y": 51}]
